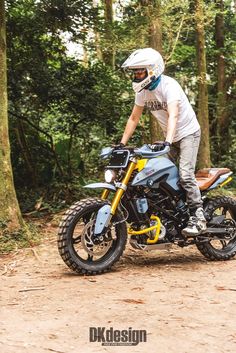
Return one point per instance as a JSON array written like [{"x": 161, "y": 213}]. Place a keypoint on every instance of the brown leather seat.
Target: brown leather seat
[{"x": 207, "y": 176}]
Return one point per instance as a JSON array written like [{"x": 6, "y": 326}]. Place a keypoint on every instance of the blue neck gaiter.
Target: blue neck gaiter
[{"x": 154, "y": 84}]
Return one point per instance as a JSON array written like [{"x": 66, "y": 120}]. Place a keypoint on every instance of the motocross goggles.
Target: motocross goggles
[{"x": 139, "y": 74}]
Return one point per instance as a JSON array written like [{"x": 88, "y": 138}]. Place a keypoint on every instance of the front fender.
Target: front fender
[
  {"x": 103, "y": 218},
  {"x": 101, "y": 186}
]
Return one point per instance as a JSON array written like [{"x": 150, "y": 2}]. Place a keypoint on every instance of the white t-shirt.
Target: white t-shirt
[{"x": 157, "y": 100}]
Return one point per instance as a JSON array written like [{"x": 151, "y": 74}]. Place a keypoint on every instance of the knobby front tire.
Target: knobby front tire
[{"x": 75, "y": 238}]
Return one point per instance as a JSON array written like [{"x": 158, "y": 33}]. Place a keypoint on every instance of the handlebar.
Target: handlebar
[{"x": 145, "y": 151}]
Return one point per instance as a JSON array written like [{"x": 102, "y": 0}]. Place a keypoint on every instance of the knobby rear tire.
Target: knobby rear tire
[
  {"x": 65, "y": 239},
  {"x": 207, "y": 249}
]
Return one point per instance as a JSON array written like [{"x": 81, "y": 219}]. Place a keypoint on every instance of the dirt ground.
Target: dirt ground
[{"x": 185, "y": 304}]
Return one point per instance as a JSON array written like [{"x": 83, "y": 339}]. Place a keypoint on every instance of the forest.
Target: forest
[{"x": 64, "y": 96}]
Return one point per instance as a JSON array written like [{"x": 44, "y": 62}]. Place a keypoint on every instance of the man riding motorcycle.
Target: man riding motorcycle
[
  {"x": 166, "y": 100},
  {"x": 142, "y": 199}
]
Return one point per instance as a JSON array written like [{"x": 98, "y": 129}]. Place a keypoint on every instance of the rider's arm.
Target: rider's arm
[
  {"x": 132, "y": 123},
  {"x": 173, "y": 111}
]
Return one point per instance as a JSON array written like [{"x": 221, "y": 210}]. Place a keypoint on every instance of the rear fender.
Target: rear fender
[{"x": 220, "y": 181}]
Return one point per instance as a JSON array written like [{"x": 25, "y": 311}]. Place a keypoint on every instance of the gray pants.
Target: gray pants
[{"x": 186, "y": 151}]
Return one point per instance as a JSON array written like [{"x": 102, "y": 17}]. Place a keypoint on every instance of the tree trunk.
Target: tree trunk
[
  {"x": 20, "y": 134},
  {"x": 97, "y": 35},
  {"x": 155, "y": 29},
  {"x": 10, "y": 215},
  {"x": 98, "y": 46},
  {"x": 152, "y": 9},
  {"x": 202, "y": 104},
  {"x": 221, "y": 104},
  {"x": 85, "y": 56},
  {"x": 108, "y": 52}
]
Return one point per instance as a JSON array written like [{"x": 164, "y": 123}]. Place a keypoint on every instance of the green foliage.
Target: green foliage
[
  {"x": 226, "y": 191},
  {"x": 54, "y": 197},
  {"x": 64, "y": 109},
  {"x": 27, "y": 236}
]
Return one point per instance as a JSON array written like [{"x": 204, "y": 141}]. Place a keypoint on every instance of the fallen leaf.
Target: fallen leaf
[
  {"x": 137, "y": 288},
  {"x": 224, "y": 288},
  {"x": 133, "y": 301}
]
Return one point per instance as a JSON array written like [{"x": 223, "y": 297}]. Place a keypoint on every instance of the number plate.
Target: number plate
[{"x": 119, "y": 159}]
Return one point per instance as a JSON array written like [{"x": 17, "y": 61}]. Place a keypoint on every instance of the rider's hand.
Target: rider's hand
[
  {"x": 159, "y": 145},
  {"x": 119, "y": 146}
]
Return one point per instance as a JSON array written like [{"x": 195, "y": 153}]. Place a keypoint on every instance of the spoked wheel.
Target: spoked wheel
[
  {"x": 225, "y": 248},
  {"x": 80, "y": 249}
]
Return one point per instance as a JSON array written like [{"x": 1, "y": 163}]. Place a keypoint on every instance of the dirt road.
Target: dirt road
[{"x": 185, "y": 304}]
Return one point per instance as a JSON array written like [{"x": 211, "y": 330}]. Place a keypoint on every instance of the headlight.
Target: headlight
[{"x": 110, "y": 175}]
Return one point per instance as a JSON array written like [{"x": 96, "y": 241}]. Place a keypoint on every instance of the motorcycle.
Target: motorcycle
[{"x": 142, "y": 199}]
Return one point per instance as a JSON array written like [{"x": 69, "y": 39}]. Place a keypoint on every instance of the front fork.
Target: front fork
[
  {"x": 116, "y": 200},
  {"x": 106, "y": 212},
  {"x": 105, "y": 194},
  {"x": 122, "y": 186}
]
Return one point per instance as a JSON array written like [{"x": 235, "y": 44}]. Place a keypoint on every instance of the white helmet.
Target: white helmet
[{"x": 148, "y": 59}]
